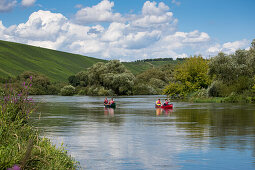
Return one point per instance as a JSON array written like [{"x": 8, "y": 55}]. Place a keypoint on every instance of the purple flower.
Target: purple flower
[
  {"x": 31, "y": 77},
  {"x": 24, "y": 83},
  {"x": 15, "y": 167},
  {"x": 30, "y": 85}
]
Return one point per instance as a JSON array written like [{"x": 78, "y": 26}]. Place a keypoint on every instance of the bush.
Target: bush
[
  {"x": 68, "y": 90},
  {"x": 20, "y": 144},
  {"x": 143, "y": 89},
  {"x": 157, "y": 83},
  {"x": 202, "y": 93},
  {"x": 175, "y": 90},
  {"x": 220, "y": 89}
]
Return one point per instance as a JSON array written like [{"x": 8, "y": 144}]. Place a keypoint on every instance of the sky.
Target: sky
[{"x": 131, "y": 30}]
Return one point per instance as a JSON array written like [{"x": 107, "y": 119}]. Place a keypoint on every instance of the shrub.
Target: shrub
[
  {"x": 20, "y": 143},
  {"x": 143, "y": 89},
  {"x": 68, "y": 90}
]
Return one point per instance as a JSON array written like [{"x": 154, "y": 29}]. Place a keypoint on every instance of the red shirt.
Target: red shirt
[{"x": 105, "y": 101}]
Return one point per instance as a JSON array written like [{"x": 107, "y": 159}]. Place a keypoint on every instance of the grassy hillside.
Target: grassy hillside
[
  {"x": 58, "y": 66},
  {"x": 16, "y": 58},
  {"x": 140, "y": 66}
]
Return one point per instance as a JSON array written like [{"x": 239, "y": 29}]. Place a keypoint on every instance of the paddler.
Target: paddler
[
  {"x": 112, "y": 101},
  {"x": 166, "y": 103},
  {"x": 105, "y": 101},
  {"x": 158, "y": 102}
]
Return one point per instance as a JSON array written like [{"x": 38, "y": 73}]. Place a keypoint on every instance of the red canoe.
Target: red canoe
[{"x": 170, "y": 106}]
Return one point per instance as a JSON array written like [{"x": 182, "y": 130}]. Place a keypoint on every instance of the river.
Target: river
[{"x": 135, "y": 135}]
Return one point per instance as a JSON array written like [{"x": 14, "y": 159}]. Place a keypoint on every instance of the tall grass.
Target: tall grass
[{"x": 21, "y": 147}]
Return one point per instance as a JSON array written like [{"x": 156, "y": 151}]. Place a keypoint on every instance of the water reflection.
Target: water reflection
[
  {"x": 109, "y": 111},
  {"x": 137, "y": 136},
  {"x": 166, "y": 112}
]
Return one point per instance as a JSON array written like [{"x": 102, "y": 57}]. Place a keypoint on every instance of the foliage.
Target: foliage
[
  {"x": 105, "y": 78},
  {"x": 20, "y": 144},
  {"x": 16, "y": 105},
  {"x": 153, "y": 81},
  {"x": 189, "y": 76},
  {"x": 144, "y": 89},
  {"x": 41, "y": 83},
  {"x": 175, "y": 90},
  {"x": 67, "y": 90},
  {"x": 232, "y": 74}
]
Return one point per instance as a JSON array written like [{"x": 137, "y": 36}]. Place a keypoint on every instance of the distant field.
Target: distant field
[
  {"x": 140, "y": 66},
  {"x": 58, "y": 66},
  {"x": 16, "y": 58}
]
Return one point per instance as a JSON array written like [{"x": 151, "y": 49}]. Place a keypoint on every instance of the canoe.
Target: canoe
[
  {"x": 170, "y": 106},
  {"x": 113, "y": 105}
]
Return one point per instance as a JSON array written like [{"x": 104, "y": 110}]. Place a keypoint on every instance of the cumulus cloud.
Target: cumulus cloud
[
  {"x": 28, "y": 3},
  {"x": 155, "y": 17},
  {"x": 101, "y": 12},
  {"x": 150, "y": 34},
  {"x": 229, "y": 47},
  {"x": 7, "y": 5}
]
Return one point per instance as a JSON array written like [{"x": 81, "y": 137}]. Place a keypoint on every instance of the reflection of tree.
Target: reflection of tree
[
  {"x": 225, "y": 127},
  {"x": 194, "y": 121}
]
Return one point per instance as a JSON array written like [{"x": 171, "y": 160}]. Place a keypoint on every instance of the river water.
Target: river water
[{"x": 135, "y": 135}]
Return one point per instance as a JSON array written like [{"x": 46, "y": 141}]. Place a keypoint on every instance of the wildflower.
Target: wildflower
[
  {"x": 15, "y": 167},
  {"x": 31, "y": 77},
  {"x": 24, "y": 83}
]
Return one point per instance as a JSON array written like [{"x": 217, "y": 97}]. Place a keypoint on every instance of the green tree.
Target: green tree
[
  {"x": 106, "y": 77},
  {"x": 188, "y": 77}
]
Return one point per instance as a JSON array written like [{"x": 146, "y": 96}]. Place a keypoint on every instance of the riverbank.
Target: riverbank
[
  {"x": 229, "y": 99},
  {"x": 21, "y": 146}
]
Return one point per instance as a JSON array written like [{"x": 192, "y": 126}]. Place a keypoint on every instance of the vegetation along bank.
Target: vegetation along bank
[{"x": 21, "y": 146}]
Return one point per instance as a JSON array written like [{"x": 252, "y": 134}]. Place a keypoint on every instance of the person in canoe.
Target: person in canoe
[
  {"x": 106, "y": 101},
  {"x": 158, "y": 102},
  {"x": 111, "y": 104},
  {"x": 166, "y": 102},
  {"x": 112, "y": 101}
]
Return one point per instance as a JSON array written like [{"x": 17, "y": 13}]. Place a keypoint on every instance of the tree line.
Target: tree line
[{"x": 229, "y": 76}]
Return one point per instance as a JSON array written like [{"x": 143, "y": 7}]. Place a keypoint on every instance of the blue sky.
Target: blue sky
[{"x": 130, "y": 30}]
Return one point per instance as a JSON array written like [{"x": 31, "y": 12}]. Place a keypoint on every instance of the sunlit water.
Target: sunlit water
[{"x": 137, "y": 136}]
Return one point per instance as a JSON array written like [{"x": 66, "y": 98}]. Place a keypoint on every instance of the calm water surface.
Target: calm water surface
[{"x": 137, "y": 136}]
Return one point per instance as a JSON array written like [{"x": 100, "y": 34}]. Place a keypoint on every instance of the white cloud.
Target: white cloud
[
  {"x": 42, "y": 25},
  {"x": 150, "y": 34},
  {"x": 28, "y": 3},
  {"x": 7, "y": 5},
  {"x": 229, "y": 47},
  {"x": 101, "y": 12},
  {"x": 114, "y": 32},
  {"x": 155, "y": 17},
  {"x": 150, "y": 8}
]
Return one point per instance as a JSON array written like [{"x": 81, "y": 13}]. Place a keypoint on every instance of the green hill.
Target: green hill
[
  {"x": 140, "y": 66},
  {"x": 16, "y": 58},
  {"x": 58, "y": 66}
]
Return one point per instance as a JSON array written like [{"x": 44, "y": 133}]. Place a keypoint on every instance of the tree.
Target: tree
[
  {"x": 112, "y": 75},
  {"x": 189, "y": 76}
]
